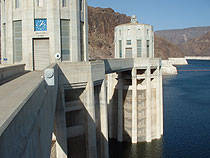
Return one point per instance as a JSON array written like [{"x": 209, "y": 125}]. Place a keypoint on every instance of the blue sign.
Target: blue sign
[
  {"x": 5, "y": 59},
  {"x": 40, "y": 25}
]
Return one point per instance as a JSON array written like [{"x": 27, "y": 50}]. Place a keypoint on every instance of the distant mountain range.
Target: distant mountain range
[
  {"x": 181, "y": 36},
  {"x": 168, "y": 43}
]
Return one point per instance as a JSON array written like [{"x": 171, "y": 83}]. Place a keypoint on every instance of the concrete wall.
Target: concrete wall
[
  {"x": 85, "y": 107},
  {"x": 178, "y": 61},
  {"x": 27, "y": 119},
  {"x": 8, "y": 71},
  {"x": 53, "y": 11}
]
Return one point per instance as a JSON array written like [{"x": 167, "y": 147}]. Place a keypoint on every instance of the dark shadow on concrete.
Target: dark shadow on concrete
[
  {"x": 78, "y": 146},
  {"x": 13, "y": 77}
]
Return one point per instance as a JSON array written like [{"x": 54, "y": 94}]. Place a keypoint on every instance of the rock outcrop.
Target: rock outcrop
[
  {"x": 102, "y": 22},
  {"x": 198, "y": 46},
  {"x": 165, "y": 49}
]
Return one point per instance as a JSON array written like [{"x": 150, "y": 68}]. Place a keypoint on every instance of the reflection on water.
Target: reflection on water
[
  {"x": 127, "y": 150},
  {"x": 186, "y": 118}
]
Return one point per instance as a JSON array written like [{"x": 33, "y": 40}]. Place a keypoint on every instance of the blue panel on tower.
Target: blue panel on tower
[{"x": 40, "y": 25}]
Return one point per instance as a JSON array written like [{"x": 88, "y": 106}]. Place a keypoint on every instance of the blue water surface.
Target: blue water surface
[{"x": 186, "y": 118}]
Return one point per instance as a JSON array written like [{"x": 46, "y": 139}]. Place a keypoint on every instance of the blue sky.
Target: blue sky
[{"x": 162, "y": 14}]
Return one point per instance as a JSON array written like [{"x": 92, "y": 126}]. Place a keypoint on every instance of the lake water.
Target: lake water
[{"x": 186, "y": 118}]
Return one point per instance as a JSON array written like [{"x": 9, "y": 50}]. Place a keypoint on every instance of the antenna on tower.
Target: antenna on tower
[{"x": 134, "y": 19}]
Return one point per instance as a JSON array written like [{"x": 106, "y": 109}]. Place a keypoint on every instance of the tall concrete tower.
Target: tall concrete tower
[
  {"x": 38, "y": 33},
  {"x": 134, "y": 40},
  {"x": 135, "y": 96}
]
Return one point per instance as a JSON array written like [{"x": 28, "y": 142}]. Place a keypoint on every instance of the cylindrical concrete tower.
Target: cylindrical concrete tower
[
  {"x": 134, "y": 40},
  {"x": 40, "y": 32}
]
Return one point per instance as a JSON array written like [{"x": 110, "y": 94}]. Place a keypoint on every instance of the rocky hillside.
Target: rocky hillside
[
  {"x": 101, "y": 31},
  {"x": 181, "y": 36},
  {"x": 101, "y": 35},
  {"x": 165, "y": 49},
  {"x": 198, "y": 46}
]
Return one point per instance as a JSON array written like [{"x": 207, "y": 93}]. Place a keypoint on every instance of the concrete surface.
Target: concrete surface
[
  {"x": 27, "y": 110},
  {"x": 8, "y": 71}
]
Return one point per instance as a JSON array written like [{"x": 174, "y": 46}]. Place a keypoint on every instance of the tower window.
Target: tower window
[
  {"x": 63, "y": 3},
  {"x": 40, "y": 3},
  {"x": 81, "y": 5},
  {"x": 120, "y": 48},
  {"x": 82, "y": 40},
  {"x": 147, "y": 31},
  {"x": 17, "y": 31},
  {"x": 128, "y": 42},
  {"x": 65, "y": 40},
  {"x": 147, "y": 48},
  {"x": 138, "y": 48},
  {"x": 17, "y": 4}
]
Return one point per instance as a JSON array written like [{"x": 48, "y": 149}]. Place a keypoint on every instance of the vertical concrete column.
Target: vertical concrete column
[
  {"x": 28, "y": 15},
  {"x": 158, "y": 96},
  {"x": 60, "y": 126},
  {"x": 144, "y": 44},
  {"x": 91, "y": 121},
  {"x": 53, "y": 20},
  {"x": 112, "y": 82},
  {"x": 109, "y": 102},
  {"x": 161, "y": 100},
  {"x": 104, "y": 122},
  {"x": 86, "y": 57},
  {"x": 120, "y": 108},
  {"x": 3, "y": 31},
  {"x": 134, "y": 107},
  {"x": 9, "y": 31},
  {"x": 148, "y": 105},
  {"x": 75, "y": 31}
]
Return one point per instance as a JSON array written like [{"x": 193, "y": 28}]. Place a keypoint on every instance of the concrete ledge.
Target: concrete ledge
[
  {"x": 7, "y": 71},
  {"x": 117, "y": 65},
  {"x": 197, "y": 57},
  {"x": 81, "y": 72},
  {"x": 177, "y": 61}
]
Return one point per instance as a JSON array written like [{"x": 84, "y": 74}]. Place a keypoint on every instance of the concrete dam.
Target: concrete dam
[
  {"x": 57, "y": 103},
  {"x": 80, "y": 106}
]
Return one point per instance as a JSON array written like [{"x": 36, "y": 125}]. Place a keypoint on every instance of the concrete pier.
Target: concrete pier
[
  {"x": 134, "y": 107},
  {"x": 120, "y": 108},
  {"x": 140, "y": 103}
]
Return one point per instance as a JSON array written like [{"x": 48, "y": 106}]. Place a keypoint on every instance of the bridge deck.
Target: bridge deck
[{"x": 13, "y": 95}]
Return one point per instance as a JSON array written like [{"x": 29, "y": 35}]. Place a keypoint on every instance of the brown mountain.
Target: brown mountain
[
  {"x": 198, "y": 46},
  {"x": 101, "y": 35},
  {"x": 102, "y": 22},
  {"x": 180, "y": 36},
  {"x": 165, "y": 49}
]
